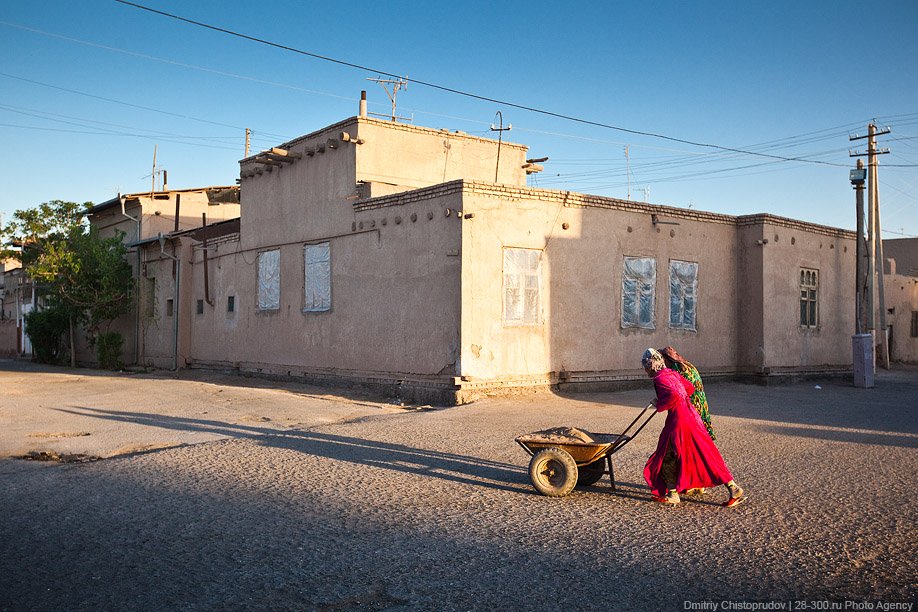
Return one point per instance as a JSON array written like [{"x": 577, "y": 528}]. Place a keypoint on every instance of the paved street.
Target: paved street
[{"x": 214, "y": 492}]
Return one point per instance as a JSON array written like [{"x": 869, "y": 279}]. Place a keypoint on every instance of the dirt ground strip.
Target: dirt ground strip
[{"x": 214, "y": 492}]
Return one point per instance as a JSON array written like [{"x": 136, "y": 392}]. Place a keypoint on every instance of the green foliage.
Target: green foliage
[
  {"x": 46, "y": 328},
  {"x": 108, "y": 350},
  {"x": 76, "y": 272}
]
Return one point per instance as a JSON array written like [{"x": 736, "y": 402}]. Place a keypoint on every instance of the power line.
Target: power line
[{"x": 465, "y": 93}]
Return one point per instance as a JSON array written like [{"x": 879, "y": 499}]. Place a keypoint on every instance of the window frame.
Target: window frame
[
  {"x": 673, "y": 281},
  {"x": 809, "y": 298},
  {"x": 526, "y": 281},
  {"x": 642, "y": 287},
  {"x": 264, "y": 291},
  {"x": 321, "y": 275}
]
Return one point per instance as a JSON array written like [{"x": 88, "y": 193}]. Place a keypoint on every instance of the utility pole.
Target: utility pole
[
  {"x": 858, "y": 177},
  {"x": 628, "y": 170},
  {"x": 500, "y": 129},
  {"x": 248, "y": 140},
  {"x": 875, "y": 295},
  {"x": 153, "y": 174}
]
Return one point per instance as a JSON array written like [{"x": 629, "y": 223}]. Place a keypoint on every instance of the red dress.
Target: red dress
[{"x": 698, "y": 462}]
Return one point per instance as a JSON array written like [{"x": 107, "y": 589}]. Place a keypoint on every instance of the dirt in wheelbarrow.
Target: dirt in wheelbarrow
[{"x": 562, "y": 435}]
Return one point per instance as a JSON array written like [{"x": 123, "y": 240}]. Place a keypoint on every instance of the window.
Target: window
[
  {"x": 522, "y": 284},
  {"x": 639, "y": 277},
  {"x": 169, "y": 308},
  {"x": 269, "y": 280},
  {"x": 915, "y": 324},
  {"x": 683, "y": 287},
  {"x": 809, "y": 297},
  {"x": 199, "y": 308},
  {"x": 231, "y": 303},
  {"x": 317, "y": 285}
]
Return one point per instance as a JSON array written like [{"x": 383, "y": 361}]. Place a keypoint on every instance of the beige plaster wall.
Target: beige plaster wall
[
  {"x": 157, "y": 286},
  {"x": 9, "y": 338},
  {"x": 748, "y": 298},
  {"x": 792, "y": 246},
  {"x": 410, "y": 157},
  {"x": 395, "y": 299},
  {"x": 312, "y": 195},
  {"x": 901, "y": 295},
  {"x": 157, "y": 214},
  {"x": 581, "y": 330}
]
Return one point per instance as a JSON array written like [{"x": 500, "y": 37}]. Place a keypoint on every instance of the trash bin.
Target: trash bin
[{"x": 863, "y": 353}]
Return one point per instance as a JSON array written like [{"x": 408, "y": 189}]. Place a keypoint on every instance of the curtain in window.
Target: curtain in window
[
  {"x": 318, "y": 277},
  {"x": 522, "y": 286},
  {"x": 639, "y": 277},
  {"x": 269, "y": 280},
  {"x": 683, "y": 287}
]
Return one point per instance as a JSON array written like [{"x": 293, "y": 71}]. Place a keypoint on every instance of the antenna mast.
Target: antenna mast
[
  {"x": 500, "y": 129},
  {"x": 396, "y": 85},
  {"x": 628, "y": 170},
  {"x": 153, "y": 173}
]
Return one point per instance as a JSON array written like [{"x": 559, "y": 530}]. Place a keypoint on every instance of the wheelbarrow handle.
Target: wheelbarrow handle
[{"x": 615, "y": 445}]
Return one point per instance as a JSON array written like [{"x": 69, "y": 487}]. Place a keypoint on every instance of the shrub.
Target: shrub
[
  {"x": 45, "y": 329},
  {"x": 108, "y": 350}
]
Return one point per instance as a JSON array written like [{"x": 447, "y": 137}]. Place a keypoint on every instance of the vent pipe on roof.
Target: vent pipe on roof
[
  {"x": 363, "y": 104},
  {"x": 165, "y": 181}
]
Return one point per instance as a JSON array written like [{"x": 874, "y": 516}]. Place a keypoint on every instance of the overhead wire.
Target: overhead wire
[{"x": 467, "y": 94}]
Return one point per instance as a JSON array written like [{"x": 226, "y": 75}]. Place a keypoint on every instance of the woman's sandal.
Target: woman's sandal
[
  {"x": 734, "y": 501},
  {"x": 669, "y": 500}
]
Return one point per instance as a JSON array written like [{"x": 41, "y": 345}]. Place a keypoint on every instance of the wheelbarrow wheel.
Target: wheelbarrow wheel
[
  {"x": 590, "y": 474},
  {"x": 553, "y": 472}
]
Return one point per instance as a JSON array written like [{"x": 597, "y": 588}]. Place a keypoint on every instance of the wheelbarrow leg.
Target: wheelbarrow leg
[{"x": 611, "y": 472}]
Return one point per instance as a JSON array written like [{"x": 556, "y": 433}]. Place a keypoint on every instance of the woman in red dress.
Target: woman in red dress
[{"x": 686, "y": 457}]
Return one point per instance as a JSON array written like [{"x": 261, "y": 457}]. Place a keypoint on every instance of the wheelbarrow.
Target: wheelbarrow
[{"x": 557, "y": 467}]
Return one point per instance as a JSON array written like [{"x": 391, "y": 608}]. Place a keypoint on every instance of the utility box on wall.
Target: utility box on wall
[{"x": 862, "y": 353}]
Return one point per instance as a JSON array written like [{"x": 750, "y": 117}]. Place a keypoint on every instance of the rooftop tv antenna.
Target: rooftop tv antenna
[
  {"x": 500, "y": 129},
  {"x": 396, "y": 84}
]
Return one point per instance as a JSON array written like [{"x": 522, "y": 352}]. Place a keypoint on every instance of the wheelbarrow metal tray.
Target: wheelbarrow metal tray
[{"x": 582, "y": 452}]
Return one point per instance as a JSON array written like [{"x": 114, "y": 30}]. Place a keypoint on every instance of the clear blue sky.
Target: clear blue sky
[{"x": 88, "y": 88}]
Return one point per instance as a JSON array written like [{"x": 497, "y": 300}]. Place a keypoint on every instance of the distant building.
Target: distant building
[
  {"x": 374, "y": 252},
  {"x": 16, "y": 300},
  {"x": 901, "y": 295},
  {"x": 144, "y": 216}
]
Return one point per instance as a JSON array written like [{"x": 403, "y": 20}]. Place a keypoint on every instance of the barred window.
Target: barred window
[
  {"x": 809, "y": 297},
  {"x": 639, "y": 278},
  {"x": 683, "y": 287},
  {"x": 522, "y": 286},
  {"x": 317, "y": 285},
  {"x": 269, "y": 280}
]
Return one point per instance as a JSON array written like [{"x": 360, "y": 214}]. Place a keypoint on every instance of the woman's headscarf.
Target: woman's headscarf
[
  {"x": 670, "y": 354},
  {"x": 653, "y": 360}
]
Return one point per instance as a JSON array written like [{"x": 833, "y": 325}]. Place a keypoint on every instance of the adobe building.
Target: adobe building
[
  {"x": 16, "y": 300},
  {"x": 900, "y": 282},
  {"x": 377, "y": 253},
  {"x": 144, "y": 216}
]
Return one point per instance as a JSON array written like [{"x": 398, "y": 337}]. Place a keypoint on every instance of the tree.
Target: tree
[{"x": 79, "y": 275}]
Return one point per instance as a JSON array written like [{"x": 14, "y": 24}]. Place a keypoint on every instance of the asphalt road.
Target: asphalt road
[{"x": 219, "y": 493}]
